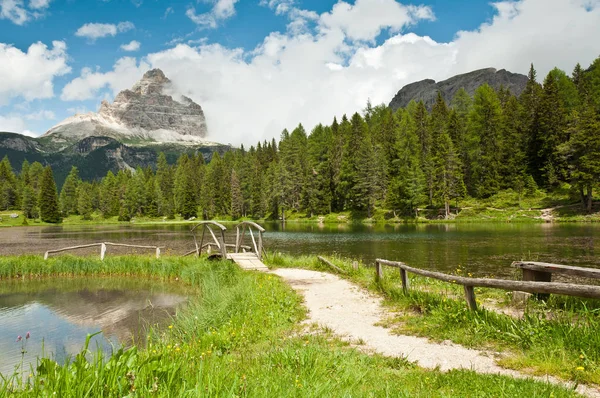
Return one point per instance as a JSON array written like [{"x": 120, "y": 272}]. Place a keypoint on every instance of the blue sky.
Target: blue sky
[{"x": 364, "y": 49}]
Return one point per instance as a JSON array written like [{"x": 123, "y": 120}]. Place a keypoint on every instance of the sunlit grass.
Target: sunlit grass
[{"x": 559, "y": 337}]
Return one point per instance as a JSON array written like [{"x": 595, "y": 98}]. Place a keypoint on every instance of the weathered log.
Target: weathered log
[
  {"x": 331, "y": 265},
  {"x": 567, "y": 289},
  {"x": 557, "y": 269}
]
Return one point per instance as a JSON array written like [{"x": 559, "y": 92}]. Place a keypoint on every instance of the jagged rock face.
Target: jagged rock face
[
  {"x": 426, "y": 90},
  {"x": 145, "y": 112}
]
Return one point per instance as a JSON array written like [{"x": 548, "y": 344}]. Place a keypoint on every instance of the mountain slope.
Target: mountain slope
[{"x": 426, "y": 90}]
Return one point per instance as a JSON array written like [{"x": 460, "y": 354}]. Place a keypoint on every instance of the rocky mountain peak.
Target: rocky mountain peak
[
  {"x": 144, "y": 112},
  {"x": 153, "y": 82}
]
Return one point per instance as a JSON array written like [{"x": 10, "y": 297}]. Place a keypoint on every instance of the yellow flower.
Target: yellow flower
[
  {"x": 580, "y": 368},
  {"x": 177, "y": 349},
  {"x": 170, "y": 326},
  {"x": 168, "y": 347},
  {"x": 581, "y": 356}
]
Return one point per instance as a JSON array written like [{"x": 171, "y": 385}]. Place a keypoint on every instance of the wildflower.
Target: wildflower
[
  {"x": 177, "y": 349},
  {"x": 170, "y": 326},
  {"x": 580, "y": 368},
  {"x": 581, "y": 356},
  {"x": 168, "y": 347},
  {"x": 19, "y": 338},
  {"x": 27, "y": 336}
]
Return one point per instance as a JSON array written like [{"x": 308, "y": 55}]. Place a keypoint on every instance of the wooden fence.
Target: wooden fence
[
  {"x": 469, "y": 284},
  {"x": 103, "y": 246}
]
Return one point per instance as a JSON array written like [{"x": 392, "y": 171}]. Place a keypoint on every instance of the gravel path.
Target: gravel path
[{"x": 352, "y": 313}]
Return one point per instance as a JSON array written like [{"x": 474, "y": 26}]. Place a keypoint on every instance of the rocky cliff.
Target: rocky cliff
[
  {"x": 426, "y": 90},
  {"x": 146, "y": 112}
]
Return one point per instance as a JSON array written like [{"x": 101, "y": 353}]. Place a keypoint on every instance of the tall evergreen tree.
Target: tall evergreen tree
[
  {"x": 484, "y": 142},
  {"x": 49, "y": 211},
  {"x": 68, "y": 194}
]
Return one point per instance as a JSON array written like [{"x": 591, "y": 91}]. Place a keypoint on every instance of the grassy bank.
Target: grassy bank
[
  {"x": 505, "y": 206},
  {"x": 559, "y": 337},
  {"x": 239, "y": 336}
]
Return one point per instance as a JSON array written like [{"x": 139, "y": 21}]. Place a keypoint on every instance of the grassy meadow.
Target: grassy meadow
[{"x": 240, "y": 336}]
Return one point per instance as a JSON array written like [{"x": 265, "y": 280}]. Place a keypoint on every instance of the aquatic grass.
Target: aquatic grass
[{"x": 558, "y": 337}]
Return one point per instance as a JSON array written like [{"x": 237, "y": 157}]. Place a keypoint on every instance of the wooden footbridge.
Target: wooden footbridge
[
  {"x": 248, "y": 257},
  {"x": 212, "y": 241}
]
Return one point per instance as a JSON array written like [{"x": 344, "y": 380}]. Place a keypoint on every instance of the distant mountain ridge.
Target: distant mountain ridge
[
  {"x": 426, "y": 90},
  {"x": 146, "y": 112}
]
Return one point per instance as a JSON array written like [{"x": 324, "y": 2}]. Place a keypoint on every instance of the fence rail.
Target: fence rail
[
  {"x": 102, "y": 246},
  {"x": 468, "y": 284}
]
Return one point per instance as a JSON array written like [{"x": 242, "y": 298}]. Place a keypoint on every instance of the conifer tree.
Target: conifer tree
[
  {"x": 484, "y": 142},
  {"x": 48, "y": 201},
  {"x": 407, "y": 183},
  {"x": 68, "y": 194},
  {"x": 84, "y": 201},
  {"x": 237, "y": 200}
]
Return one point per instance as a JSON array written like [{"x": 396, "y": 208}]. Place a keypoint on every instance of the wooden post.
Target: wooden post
[
  {"x": 102, "y": 251},
  {"x": 223, "y": 248},
  {"x": 404, "y": 278},
  {"x": 253, "y": 240},
  {"x": 470, "y": 297},
  {"x": 538, "y": 276},
  {"x": 260, "y": 245},
  {"x": 237, "y": 239},
  {"x": 355, "y": 265},
  {"x": 46, "y": 256},
  {"x": 158, "y": 252},
  {"x": 378, "y": 271}
]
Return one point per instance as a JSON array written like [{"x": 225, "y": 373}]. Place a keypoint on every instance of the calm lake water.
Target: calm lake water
[
  {"x": 59, "y": 313},
  {"x": 482, "y": 249}
]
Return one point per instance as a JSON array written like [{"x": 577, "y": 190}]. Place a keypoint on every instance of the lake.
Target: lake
[
  {"x": 59, "y": 313},
  {"x": 483, "y": 249}
]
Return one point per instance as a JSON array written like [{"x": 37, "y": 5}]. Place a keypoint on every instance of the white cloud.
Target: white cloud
[
  {"x": 131, "y": 46},
  {"x": 367, "y": 18},
  {"x": 30, "y": 74},
  {"x": 95, "y": 31},
  {"x": 39, "y": 4},
  {"x": 12, "y": 123},
  {"x": 332, "y": 66},
  {"x": 77, "y": 110},
  {"x": 14, "y": 10},
  {"x": 126, "y": 72},
  {"x": 41, "y": 115},
  {"x": 221, "y": 10},
  {"x": 168, "y": 12}
]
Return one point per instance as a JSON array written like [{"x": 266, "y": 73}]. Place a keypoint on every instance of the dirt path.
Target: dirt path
[{"x": 352, "y": 313}]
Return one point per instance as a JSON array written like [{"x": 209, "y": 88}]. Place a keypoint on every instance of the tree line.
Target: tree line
[{"x": 474, "y": 146}]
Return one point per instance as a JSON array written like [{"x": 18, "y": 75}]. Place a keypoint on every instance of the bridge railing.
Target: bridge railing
[
  {"x": 218, "y": 239},
  {"x": 240, "y": 231}
]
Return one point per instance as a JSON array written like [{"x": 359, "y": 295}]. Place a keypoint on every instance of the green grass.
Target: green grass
[
  {"x": 239, "y": 337},
  {"x": 559, "y": 337}
]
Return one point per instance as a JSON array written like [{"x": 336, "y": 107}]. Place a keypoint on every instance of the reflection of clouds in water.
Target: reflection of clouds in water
[{"x": 60, "y": 321}]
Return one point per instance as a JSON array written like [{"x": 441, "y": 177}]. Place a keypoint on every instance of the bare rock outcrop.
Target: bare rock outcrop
[
  {"x": 426, "y": 90},
  {"x": 145, "y": 112}
]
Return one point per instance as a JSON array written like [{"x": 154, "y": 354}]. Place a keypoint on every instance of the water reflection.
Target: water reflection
[{"x": 60, "y": 313}]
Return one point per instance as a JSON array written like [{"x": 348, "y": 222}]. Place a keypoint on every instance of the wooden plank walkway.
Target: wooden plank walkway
[{"x": 248, "y": 261}]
